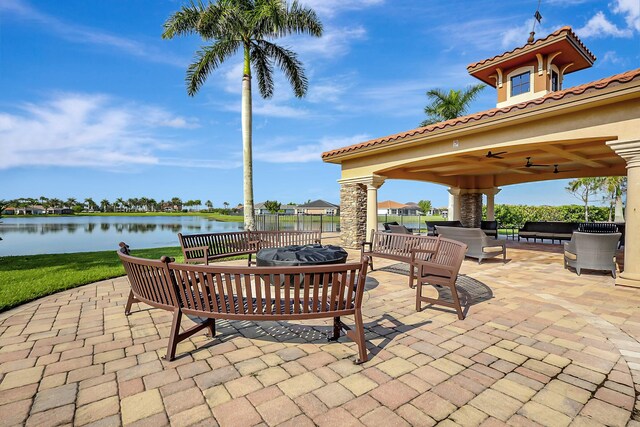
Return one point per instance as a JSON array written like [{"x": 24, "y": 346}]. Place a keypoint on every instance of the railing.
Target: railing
[
  {"x": 330, "y": 223},
  {"x": 298, "y": 222}
]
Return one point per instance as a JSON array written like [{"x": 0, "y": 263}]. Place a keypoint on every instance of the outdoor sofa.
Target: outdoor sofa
[
  {"x": 592, "y": 251},
  {"x": 248, "y": 294},
  {"x": 552, "y": 230},
  {"x": 431, "y": 226},
  {"x": 480, "y": 245}
]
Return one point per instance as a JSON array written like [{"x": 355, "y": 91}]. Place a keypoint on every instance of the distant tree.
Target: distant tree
[
  {"x": 208, "y": 204},
  {"x": 104, "y": 205},
  {"x": 425, "y": 206},
  {"x": 585, "y": 189},
  {"x": 272, "y": 206},
  {"x": 4, "y": 204},
  {"x": 446, "y": 106},
  {"x": 71, "y": 202},
  {"x": 248, "y": 26},
  {"x": 176, "y": 203},
  {"x": 90, "y": 204},
  {"x": 226, "y": 205}
]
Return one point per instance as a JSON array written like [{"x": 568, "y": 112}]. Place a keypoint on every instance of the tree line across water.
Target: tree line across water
[{"x": 142, "y": 204}]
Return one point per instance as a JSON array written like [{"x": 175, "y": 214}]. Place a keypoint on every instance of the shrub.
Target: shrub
[{"x": 519, "y": 214}]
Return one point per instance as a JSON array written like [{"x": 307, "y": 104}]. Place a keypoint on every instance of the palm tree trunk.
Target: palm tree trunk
[
  {"x": 249, "y": 223},
  {"x": 619, "y": 215}
]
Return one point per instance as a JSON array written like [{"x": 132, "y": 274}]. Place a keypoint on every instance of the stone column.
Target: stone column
[
  {"x": 353, "y": 219},
  {"x": 454, "y": 202},
  {"x": 491, "y": 193},
  {"x": 358, "y": 209},
  {"x": 630, "y": 151},
  {"x": 471, "y": 208}
]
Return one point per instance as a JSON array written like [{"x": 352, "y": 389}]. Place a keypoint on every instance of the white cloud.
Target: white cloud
[
  {"x": 86, "y": 35},
  {"x": 333, "y": 7},
  {"x": 83, "y": 130},
  {"x": 600, "y": 26},
  {"x": 631, "y": 10},
  {"x": 304, "y": 153},
  {"x": 478, "y": 34},
  {"x": 334, "y": 42},
  {"x": 612, "y": 57}
]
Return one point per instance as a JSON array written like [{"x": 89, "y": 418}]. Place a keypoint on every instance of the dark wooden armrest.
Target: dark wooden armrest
[
  {"x": 363, "y": 244},
  {"x": 421, "y": 263},
  {"x": 254, "y": 244},
  {"x": 424, "y": 251},
  {"x": 197, "y": 248}
]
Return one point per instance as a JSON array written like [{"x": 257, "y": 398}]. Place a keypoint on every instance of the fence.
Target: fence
[
  {"x": 330, "y": 223},
  {"x": 298, "y": 222}
]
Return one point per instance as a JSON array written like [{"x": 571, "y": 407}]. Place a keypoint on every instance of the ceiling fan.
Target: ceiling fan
[
  {"x": 497, "y": 155},
  {"x": 555, "y": 170},
  {"x": 530, "y": 164}
]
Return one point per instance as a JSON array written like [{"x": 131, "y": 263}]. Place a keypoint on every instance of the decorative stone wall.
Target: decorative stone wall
[
  {"x": 471, "y": 209},
  {"x": 353, "y": 214}
]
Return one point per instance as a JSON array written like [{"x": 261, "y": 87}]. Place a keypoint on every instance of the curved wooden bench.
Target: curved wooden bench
[
  {"x": 248, "y": 293},
  {"x": 400, "y": 247},
  {"x": 202, "y": 248}
]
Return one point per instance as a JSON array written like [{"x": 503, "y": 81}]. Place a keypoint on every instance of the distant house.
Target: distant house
[
  {"x": 9, "y": 210},
  {"x": 389, "y": 207},
  {"x": 318, "y": 207},
  {"x": 28, "y": 210},
  {"x": 259, "y": 209},
  {"x": 60, "y": 211}
]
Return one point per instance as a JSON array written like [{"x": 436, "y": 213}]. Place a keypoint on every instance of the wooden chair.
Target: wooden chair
[{"x": 440, "y": 268}]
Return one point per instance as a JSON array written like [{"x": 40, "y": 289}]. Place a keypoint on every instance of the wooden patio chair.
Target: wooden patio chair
[{"x": 440, "y": 269}]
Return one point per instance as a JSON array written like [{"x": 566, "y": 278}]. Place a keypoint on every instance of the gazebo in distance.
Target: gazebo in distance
[{"x": 538, "y": 131}]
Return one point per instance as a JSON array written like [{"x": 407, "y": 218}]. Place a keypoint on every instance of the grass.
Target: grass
[{"x": 25, "y": 278}]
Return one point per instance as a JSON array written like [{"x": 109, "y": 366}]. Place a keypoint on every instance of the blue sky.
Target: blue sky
[{"x": 93, "y": 101}]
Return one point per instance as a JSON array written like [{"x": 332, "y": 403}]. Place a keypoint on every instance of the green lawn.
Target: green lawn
[{"x": 25, "y": 278}]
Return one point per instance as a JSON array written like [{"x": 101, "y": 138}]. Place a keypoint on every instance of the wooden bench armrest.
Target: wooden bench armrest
[
  {"x": 204, "y": 249},
  {"x": 414, "y": 251},
  {"x": 421, "y": 263}
]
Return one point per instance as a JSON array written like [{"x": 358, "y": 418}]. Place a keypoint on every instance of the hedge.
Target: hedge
[{"x": 519, "y": 214}]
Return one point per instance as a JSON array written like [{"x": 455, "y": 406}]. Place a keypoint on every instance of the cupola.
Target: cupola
[{"x": 535, "y": 69}]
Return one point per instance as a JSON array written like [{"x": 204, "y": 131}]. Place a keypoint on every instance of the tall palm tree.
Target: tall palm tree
[
  {"x": 584, "y": 189},
  {"x": 104, "y": 203},
  {"x": 615, "y": 187},
  {"x": 446, "y": 106},
  {"x": 247, "y": 25}
]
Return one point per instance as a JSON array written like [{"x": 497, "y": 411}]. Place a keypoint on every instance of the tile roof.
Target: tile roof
[
  {"x": 532, "y": 44},
  {"x": 390, "y": 204},
  {"x": 551, "y": 97},
  {"x": 318, "y": 204}
]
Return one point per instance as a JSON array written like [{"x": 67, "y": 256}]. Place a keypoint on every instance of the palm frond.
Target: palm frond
[
  {"x": 289, "y": 63},
  {"x": 263, "y": 70},
  {"x": 183, "y": 22},
  {"x": 206, "y": 60}
]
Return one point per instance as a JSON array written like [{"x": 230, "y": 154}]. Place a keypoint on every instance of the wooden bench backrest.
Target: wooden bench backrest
[
  {"x": 400, "y": 245},
  {"x": 239, "y": 242},
  {"x": 270, "y": 293},
  {"x": 151, "y": 280}
]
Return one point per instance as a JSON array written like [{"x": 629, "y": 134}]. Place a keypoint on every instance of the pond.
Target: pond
[{"x": 50, "y": 235}]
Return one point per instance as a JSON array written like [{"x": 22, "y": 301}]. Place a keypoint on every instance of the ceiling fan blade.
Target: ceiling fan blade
[{"x": 497, "y": 155}]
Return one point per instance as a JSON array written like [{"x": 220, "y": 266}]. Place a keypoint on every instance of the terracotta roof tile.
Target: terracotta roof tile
[
  {"x": 551, "y": 97},
  {"x": 539, "y": 41}
]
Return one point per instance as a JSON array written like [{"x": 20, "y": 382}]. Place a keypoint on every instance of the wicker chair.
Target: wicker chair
[
  {"x": 593, "y": 251},
  {"x": 480, "y": 245}
]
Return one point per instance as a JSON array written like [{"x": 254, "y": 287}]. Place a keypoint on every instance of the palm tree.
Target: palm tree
[
  {"x": 446, "y": 106},
  {"x": 584, "y": 189},
  {"x": 615, "y": 187},
  {"x": 104, "y": 204},
  {"x": 209, "y": 204},
  {"x": 250, "y": 25}
]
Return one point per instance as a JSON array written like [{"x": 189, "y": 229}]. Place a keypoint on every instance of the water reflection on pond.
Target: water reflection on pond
[{"x": 39, "y": 235}]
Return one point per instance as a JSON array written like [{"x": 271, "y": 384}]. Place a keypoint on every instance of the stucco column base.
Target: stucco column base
[
  {"x": 630, "y": 151},
  {"x": 630, "y": 280}
]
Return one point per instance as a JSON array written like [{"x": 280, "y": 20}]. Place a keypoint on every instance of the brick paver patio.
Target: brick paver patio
[{"x": 550, "y": 348}]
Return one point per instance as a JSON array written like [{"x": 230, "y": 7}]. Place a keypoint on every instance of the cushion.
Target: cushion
[
  {"x": 492, "y": 249},
  {"x": 570, "y": 256}
]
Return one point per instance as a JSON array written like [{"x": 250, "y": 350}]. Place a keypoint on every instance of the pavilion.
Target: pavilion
[{"x": 583, "y": 131}]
